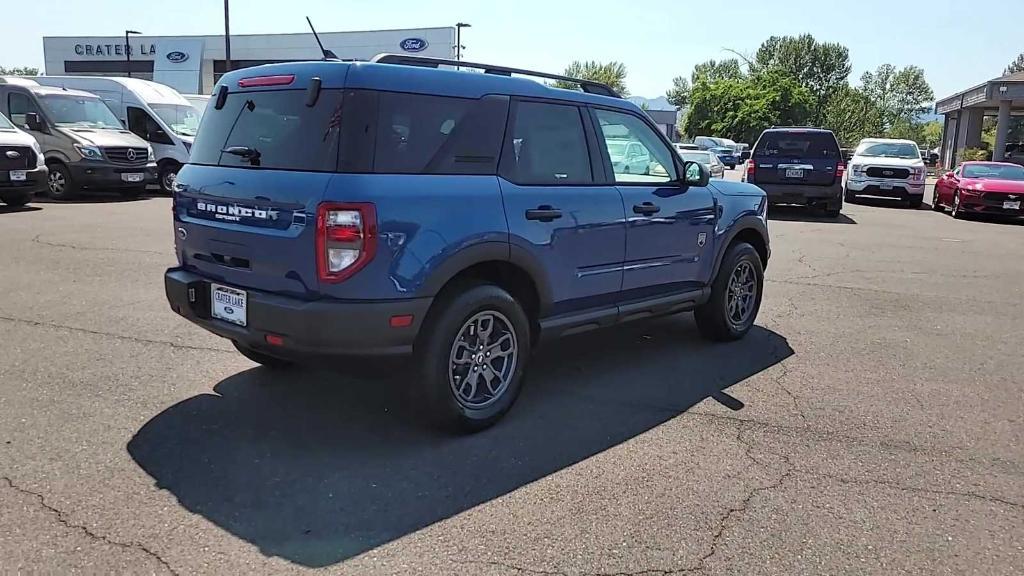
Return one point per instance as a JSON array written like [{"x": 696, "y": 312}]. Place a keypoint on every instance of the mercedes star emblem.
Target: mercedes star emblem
[{"x": 131, "y": 154}]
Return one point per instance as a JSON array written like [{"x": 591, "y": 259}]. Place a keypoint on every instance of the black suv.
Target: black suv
[{"x": 799, "y": 166}]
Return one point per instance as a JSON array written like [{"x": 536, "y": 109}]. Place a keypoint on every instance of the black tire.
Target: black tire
[
  {"x": 935, "y": 202},
  {"x": 265, "y": 360},
  {"x": 915, "y": 202},
  {"x": 167, "y": 175},
  {"x": 833, "y": 212},
  {"x": 16, "y": 200},
  {"x": 848, "y": 196},
  {"x": 444, "y": 331},
  {"x": 713, "y": 318},
  {"x": 60, "y": 186}
]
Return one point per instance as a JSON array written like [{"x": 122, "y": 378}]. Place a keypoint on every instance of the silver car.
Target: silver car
[{"x": 708, "y": 159}]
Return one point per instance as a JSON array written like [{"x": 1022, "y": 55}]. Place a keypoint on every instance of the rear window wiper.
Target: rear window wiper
[{"x": 244, "y": 152}]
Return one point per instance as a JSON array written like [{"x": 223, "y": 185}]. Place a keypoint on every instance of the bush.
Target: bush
[{"x": 974, "y": 154}]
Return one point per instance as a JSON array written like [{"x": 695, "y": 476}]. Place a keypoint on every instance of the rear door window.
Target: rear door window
[
  {"x": 273, "y": 129},
  {"x": 547, "y": 146},
  {"x": 797, "y": 145}
]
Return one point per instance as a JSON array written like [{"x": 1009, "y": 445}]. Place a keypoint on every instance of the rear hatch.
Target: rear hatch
[
  {"x": 246, "y": 203},
  {"x": 797, "y": 157}
]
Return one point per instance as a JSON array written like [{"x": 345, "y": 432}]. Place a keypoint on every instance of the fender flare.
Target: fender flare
[
  {"x": 748, "y": 222},
  {"x": 489, "y": 252},
  {"x": 56, "y": 156}
]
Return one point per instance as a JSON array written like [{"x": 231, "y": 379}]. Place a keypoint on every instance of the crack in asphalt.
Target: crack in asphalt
[
  {"x": 37, "y": 239},
  {"x": 136, "y": 339},
  {"x": 62, "y": 519}
]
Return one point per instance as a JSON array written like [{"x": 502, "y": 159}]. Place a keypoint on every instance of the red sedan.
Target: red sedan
[{"x": 981, "y": 187}]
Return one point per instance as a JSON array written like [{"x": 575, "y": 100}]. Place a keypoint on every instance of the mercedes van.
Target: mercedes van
[
  {"x": 156, "y": 113},
  {"x": 84, "y": 145}
]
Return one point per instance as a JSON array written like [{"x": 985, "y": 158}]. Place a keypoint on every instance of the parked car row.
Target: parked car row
[{"x": 103, "y": 133}]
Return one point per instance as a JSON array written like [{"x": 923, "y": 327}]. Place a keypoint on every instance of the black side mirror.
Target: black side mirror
[
  {"x": 33, "y": 122},
  {"x": 695, "y": 174}
]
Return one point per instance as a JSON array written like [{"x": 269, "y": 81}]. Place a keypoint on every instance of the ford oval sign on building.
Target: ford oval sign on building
[
  {"x": 413, "y": 44},
  {"x": 177, "y": 56}
]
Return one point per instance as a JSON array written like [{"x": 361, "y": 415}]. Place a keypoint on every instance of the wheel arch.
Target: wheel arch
[{"x": 751, "y": 230}]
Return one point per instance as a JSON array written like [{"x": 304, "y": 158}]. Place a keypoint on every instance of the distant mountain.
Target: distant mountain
[
  {"x": 659, "y": 103},
  {"x": 929, "y": 116}
]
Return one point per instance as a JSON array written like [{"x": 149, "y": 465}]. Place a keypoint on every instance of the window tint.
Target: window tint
[
  {"x": 145, "y": 127},
  {"x": 273, "y": 129},
  {"x": 798, "y": 145},
  {"x": 547, "y": 146},
  {"x": 420, "y": 134},
  {"x": 19, "y": 105},
  {"x": 636, "y": 152}
]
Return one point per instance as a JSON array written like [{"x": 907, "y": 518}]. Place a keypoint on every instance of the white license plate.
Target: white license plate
[
  {"x": 132, "y": 177},
  {"x": 1011, "y": 205},
  {"x": 790, "y": 173},
  {"x": 885, "y": 186},
  {"x": 228, "y": 304},
  {"x": 18, "y": 175}
]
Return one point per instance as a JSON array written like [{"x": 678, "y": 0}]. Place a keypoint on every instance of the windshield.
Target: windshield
[
  {"x": 889, "y": 150},
  {"x": 199, "y": 104},
  {"x": 80, "y": 111},
  {"x": 994, "y": 171},
  {"x": 182, "y": 118},
  {"x": 5, "y": 124},
  {"x": 701, "y": 157}
]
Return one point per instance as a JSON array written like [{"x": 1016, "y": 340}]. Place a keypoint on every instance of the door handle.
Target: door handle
[
  {"x": 544, "y": 213},
  {"x": 646, "y": 209}
]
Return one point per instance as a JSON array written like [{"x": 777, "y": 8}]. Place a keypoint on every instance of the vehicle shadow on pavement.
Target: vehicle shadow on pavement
[
  {"x": 805, "y": 214},
  {"x": 5, "y": 209},
  {"x": 96, "y": 198},
  {"x": 319, "y": 466}
]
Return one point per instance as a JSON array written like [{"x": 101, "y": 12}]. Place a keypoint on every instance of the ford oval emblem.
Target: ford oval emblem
[
  {"x": 13, "y": 154},
  {"x": 413, "y": 44},
  {"x": 177, "y": 56}
]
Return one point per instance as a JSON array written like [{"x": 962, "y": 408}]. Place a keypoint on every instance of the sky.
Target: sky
[{"x": 655, "y": 40}]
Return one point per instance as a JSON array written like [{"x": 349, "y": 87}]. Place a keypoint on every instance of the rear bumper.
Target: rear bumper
[
  {"x": 34, "y": 183},
  {"x": 95, "y": 174},
  {"x": 309, "y": 328},
  {"x": 802, "y": 194},
  {"x": 899, "y": 188}
]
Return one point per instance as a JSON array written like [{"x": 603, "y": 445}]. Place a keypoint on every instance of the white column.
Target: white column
[{"x": 1002, "y": 128}]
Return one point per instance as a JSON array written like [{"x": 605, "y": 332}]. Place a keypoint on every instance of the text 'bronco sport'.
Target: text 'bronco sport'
[{"x": 392, "y": 206}]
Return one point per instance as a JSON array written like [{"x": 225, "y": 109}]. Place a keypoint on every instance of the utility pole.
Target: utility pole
[
  {"x": 128, "y": 50},
  {"x": 458, "y": 39},
  {"x": 227, "y": 38}
]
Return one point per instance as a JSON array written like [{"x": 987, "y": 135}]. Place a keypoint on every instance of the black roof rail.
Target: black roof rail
[
  {"x": 588, "y": 86},
  {"x": 801, "y": 127}
]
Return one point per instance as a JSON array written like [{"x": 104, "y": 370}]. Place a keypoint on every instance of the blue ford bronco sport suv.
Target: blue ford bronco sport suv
[{"x": 395, "y": 206}]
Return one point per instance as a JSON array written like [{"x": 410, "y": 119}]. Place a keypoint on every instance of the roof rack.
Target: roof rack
[
  {"x": 588, "y": 86},
  {"x": 800, "y": 127}
]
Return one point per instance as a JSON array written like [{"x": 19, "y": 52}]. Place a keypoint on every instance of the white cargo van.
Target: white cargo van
[{"x": 156, "y": 113}]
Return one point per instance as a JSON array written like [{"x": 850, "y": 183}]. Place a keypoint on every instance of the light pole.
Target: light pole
[
  {"x": 458, "y": 39},
  {"x": 128, "y": 50},
  {"x": 227, "y": 39}
]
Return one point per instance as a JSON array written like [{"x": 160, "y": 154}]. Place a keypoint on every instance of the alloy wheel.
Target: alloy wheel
[
  {"x": 741, "y": 294},
  {"x": 483, "y": 359},
  {"x": 168, "y": 181},
  {"x": 56, "y": 182}
]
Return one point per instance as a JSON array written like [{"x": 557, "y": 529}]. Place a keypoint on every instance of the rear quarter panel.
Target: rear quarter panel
[{"x": 423, "y": 224}]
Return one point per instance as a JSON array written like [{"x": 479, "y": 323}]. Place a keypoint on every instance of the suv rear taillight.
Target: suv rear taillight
[
  {"x": 750, "y": 169},
  {"x": 346, "y": 239},
  {"x": 840, "y": 170}
]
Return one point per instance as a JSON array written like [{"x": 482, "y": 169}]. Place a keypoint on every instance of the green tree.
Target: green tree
[
  {"x": 821, "y": 67},
  {"x": 611, "y": 73},
  {"x": 900, "y": 95},
  {"x": 713, "y": 70},
  {"x": 852, "y": 115},
  {"x": 931, "y": 133},
  {"x": 679, "y": 94},
  {"x": 1016, "y": 66},
  {"x": 19, "y": 71},
  {"x": 741, "y": 108}
]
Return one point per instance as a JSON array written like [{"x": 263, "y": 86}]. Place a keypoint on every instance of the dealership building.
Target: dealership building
[{"x": 193, "y": 64}]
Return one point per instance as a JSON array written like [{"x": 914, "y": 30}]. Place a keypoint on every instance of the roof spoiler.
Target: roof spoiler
[{"x": 588, "y": 86}]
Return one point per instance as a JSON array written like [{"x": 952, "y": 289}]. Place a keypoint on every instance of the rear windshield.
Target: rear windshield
[
  {"x": 273, "y": 129},
  {"x": 362, "y": 131},
  {"x": 797, "y": 145}
]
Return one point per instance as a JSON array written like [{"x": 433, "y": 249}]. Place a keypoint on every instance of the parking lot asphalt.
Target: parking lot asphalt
[{"x": 870, "y": 424}]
